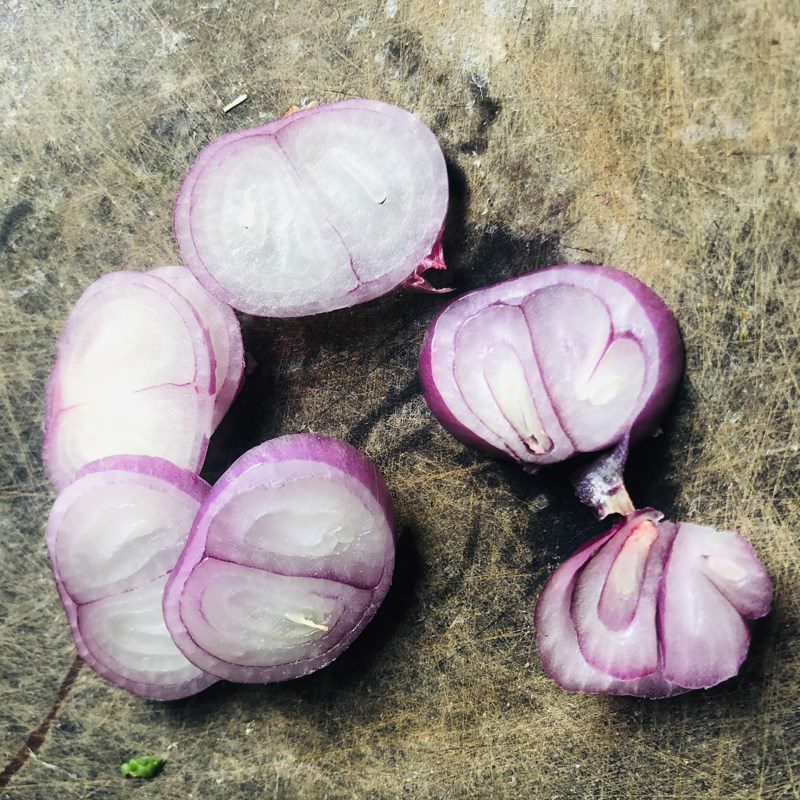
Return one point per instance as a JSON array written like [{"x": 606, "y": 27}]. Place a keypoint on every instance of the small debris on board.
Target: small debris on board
[
  {"x": 144, "y": 767},
  {"x": 294, "y": 108},
  {"x": 237, "y": 101}
]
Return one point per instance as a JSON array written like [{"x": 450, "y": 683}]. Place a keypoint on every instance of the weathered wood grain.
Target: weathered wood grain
[{"x": 661, "y": 137}]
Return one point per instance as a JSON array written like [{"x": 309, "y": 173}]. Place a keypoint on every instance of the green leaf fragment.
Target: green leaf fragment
[{"x": 145, "y": 767}]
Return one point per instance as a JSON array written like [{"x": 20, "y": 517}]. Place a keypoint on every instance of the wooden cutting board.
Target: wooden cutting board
[{"x": 660, "y": 137}]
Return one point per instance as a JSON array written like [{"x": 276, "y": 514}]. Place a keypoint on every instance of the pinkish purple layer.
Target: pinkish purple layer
[
  {"x": 298, "y": 447},
  {"x": 557, "y": 640},
  {"x": 155, "y": 473}
]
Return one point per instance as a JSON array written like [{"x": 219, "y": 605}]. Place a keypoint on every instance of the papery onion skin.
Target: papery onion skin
[
  {"x": 294, "y": 453},
  {"x": 717, "y": 651},
  {"x": 427, "y": 248},
  {"x": 154, "y": 474},
  {"x": 200, "y": 392},
  {"x": 628, "y": 302}
]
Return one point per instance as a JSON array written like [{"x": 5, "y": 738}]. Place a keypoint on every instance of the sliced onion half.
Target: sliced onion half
[
  {"x": 114, "y": 534},
  {"x": 651, "y": 609},
  {"x": 289, "y": 558},
  {"x": 570, "y": 359},
  {"x": 134, "y": 374},
  {"x": 224, "y": 332},
  {"x": 324, "y": 209}
]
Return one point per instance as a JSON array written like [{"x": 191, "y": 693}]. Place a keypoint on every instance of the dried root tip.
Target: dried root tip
[
  {"x": 600, "y": 485},
  {"x": 416, "y": 282},
  {"x": 618, "y": 502},
  {"x": 294, "y": 108}
]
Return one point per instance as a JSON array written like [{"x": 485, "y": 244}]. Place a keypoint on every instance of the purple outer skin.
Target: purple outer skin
[
  {"x": 181, "y": 224},
  {"x": 166, "y": 477},
  {"x": 203, "y": 374},
  {"x": 234, "y": 377},
  {"x": 417, "y": 282},
  {"x": 659, "y": 314},
  {"x": 310, "y": 447}
]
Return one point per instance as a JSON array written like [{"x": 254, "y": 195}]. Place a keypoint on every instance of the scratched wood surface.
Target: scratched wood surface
[{"x": 656, "y": 135}]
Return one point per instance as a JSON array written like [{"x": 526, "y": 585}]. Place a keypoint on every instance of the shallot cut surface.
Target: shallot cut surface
[
  {"x": 651, "y": 608},
  {"x": 288, "y": 559},
  {"x": 713, "y": 583},
  {"x": 114, "y": 534},
  {"x": 134, "y": 374},
  {"x": 570, "y": 359},
  {"x": 224, "y": 332},
  {"x": 323, "y": 209}
]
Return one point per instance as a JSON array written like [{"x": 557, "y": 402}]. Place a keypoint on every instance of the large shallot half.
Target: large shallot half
[{"x": 322, "y": 209}]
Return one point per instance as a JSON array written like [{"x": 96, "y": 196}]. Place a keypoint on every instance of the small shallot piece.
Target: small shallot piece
[
  {"x": 224, "y": 332},
  {"x": 114, "y": 534},
  {"x": 651, "y": 608},
  {"x": 322, "y": 209},
  {"x": 568, "y": 360},
  {"x": 289, "y": 558},
  {"x": 134, "y": 374}
]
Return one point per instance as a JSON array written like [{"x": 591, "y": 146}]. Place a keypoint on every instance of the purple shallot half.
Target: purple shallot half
[
  {"x": 651, "y": 608},
  {"x": 321, "y": 209},
  {"x": 134, "y": 374},
  {"x": 114, "y": 534},
  {"x": 288, "y": 559},
  {"x": 568, "y": 360}
]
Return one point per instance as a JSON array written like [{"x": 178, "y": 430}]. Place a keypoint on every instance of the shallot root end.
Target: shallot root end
[
  {"x": 416, "y": 282},
  {"x": 600, "y": 485}
]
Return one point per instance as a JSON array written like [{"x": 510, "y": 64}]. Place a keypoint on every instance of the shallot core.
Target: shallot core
[
  {"x": 288, "y": 559},
  {"x": 323, "y": 209}
]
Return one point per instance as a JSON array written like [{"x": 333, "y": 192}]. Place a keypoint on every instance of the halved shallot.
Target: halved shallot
[
  {"x": 570, "y": 359},
  {"x": 134, "y": 374},
  {"x": 651, "y": 608},
  {"x": 325, "y": 208},
  {"x": 114, "y": 534},
  {"x": 289, "y": 558}
]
